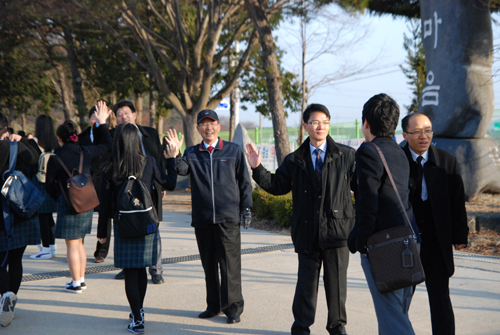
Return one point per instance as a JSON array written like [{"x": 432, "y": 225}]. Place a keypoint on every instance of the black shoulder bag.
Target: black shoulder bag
[{"x": 393, "y": 252}]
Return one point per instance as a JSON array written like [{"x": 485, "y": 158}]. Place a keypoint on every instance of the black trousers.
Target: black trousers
[
  {"x": 101, "y": 250},
  {"x": 158, "y": 268},
  {"x": 438, "y": 286},
  {"x": 11, "y": 273},
  {"x": 220, "y": 248},
  {"x": 47, "y": 226},
  {"x": 335, "y": 262}
]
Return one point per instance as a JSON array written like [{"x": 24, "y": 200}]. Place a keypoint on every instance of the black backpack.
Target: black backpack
[{"x": 136, "y": 215}]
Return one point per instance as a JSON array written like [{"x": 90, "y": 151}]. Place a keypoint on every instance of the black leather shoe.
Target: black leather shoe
[
  {"x": 157, "y": 279},
  {"x": 233, "y": 318},
  {"x": 120, "y": 275},
  {"x": 207, "y": 314}
]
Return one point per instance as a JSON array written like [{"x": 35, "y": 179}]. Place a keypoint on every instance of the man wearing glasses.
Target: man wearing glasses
[
  {"x": 438, "y": 200},
  {"x": 221, "y": 197},
  {"x": 319, "y": 174}
]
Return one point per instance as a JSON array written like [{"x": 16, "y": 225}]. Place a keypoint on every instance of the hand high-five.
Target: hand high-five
[
  {"x": 253, "y": 156},
  {"x": 173, "y": 141},
  {"x": 102, "y": 112}
]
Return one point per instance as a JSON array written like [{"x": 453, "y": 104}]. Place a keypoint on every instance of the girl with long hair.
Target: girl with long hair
[
  {"x": 70, "y": 226},
  {"x": 133, "y": 254},
  {"x": 45, "y": 142}
]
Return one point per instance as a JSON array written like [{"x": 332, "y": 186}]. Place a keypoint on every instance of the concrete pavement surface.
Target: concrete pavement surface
[{"x": 269, "y": 267}]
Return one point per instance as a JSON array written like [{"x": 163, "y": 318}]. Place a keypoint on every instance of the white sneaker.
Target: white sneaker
[
  {"x": 9, "y": 300},
  {"x": 45, "y": 253},
  {"x": 53, "y": 250}
]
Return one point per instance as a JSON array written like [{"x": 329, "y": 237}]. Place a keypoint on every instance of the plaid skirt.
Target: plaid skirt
[
  {"x": 135, "y": 252},
  {"x": 24, "y": 232},
  {"x": 49, "y": 205},
  {"x": 70, "y": 226}
]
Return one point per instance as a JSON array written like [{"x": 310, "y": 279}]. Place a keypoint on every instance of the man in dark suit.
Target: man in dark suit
[
  {"x": 88, "y": 137},
  {"x": 378, "y": 207},
  {"x": 438, "y": 200},
  {"x": 319, "y": 174},
  {"x": 151, "y": 146}
]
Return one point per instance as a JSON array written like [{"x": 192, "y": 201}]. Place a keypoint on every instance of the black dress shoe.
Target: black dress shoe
[
  {"x": 233, "y": 318},
  {"x": 207, "y": 314},
  {"x": 157, "y": 279},
  {"x": 120, "y": 275}
]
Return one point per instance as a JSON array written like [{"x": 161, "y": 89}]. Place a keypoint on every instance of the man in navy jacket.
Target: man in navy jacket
[{"x": 221, "y": 191}]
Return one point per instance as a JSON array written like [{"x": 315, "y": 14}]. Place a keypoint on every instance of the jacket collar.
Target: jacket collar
[
  {"x": 141, "y": 129},
  {"x": 433, "y": 154},
  {"x": 331, "y": 149},
  {"x": 220, "y": 144}
]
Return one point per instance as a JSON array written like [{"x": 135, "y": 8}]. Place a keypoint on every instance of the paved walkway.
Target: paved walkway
[{"x": 44, "y": 307}]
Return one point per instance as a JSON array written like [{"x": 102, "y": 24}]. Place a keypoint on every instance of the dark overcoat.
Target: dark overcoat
[{"x": 447, "y": 198}]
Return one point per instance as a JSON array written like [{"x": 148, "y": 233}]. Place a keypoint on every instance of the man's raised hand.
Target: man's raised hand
[{"x": 253, "y": 156}]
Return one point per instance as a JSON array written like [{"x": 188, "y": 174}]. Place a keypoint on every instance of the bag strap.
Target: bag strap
[
  {"x": 8, "y": 217},
  {"x": 69, "y": 174},
  {"x": 12, "y": 159},
  {"x": 394, "y": 186}
]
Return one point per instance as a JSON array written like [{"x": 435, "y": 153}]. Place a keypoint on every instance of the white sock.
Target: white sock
[
  {"x": 82, "y": 279},
  {"x": 76, "y": 283}
]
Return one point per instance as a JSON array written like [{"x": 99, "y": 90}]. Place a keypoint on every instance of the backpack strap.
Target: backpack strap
[
  {"x": 8, "y": 216},
  {"x": 12, "y": 158},
  {"x": 81, "y": 161}
]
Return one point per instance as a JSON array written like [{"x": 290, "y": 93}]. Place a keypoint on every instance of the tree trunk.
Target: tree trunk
[
  {"x": 77, "y": 78},
  {"x": 304, "y": 48},
  {"x": 64, "y": 92},
  {"x": 23, "y": 121},
  {"x": 191, "y": 135},
  {"x": 139, "y": 107},
  {"x": 273, "y": 77},
  {"x": 160, "y": 125},
  {"x": 152, "y": 105},
  {"x": 231, "y": 117}
]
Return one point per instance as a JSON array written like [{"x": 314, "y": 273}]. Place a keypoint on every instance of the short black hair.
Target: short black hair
[
  {"x": 92, "y": 110},
  {"x": 4, "y": 123},
  {"x": 123, "y": 103},
  {"x": 406, "y": 120},
  {"x": 314, "y": 108},
  {"x": 21, "y": 133},
  {"x": 382, "y": 114}
]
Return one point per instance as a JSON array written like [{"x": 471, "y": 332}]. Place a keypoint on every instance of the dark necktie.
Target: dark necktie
[
  {"x": 318, "y": 164},
  {"x": 210, "y": 148},
  {"x": 418, "y": 181}
]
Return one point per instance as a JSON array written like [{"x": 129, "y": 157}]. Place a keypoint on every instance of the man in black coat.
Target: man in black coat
[
  {"x": 89, "y": 137},
  {"x": 319, "y": 174},
  {"x": 438, "y": 200},
  {"x": 378, "y": 207},
  {"x": 151, "y": 146}
]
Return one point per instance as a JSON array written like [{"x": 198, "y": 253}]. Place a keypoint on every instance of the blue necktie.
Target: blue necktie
[{"x": 319, "y": 164}]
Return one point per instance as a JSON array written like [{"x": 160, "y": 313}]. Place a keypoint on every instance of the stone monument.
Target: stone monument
[{"x": 458, "y": 93}]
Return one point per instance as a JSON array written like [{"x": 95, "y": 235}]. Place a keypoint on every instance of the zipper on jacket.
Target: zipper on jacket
[
  {"x": 212, "y": 182},
  {"x": 391, "y": 241}
]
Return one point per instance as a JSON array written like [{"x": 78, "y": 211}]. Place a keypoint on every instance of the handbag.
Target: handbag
[
  {"x": 81, "y": 196},
  {"x": 393, "y": 252}
]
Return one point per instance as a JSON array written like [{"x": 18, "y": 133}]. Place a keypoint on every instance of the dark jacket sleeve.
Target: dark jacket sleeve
[
  {"x": 369, "y": 171},
  {"x": 460, "y": 229},
  {"x": 278, "y": 183},
  {"x": 182, "y": 164},
  {"x": 244, "y": 182},
  {"x": 51, "y": 183},
  {"x": 102, "y": 141},
  {"x": 106, "y": 204},
  {"x": 166, "y": 180}
]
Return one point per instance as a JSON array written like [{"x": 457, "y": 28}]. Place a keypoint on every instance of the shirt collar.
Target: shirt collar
[
  {"x": 322, "y": 147},
  {"x": 213, "y": 145},
  {"x": 425, "y": 155}
]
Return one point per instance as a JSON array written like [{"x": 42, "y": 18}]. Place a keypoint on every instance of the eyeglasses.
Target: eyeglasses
[
  {"x": 427, "y": 132},
  {"x": 207, "y": 125},
  {"x": 317, "y": 123}
]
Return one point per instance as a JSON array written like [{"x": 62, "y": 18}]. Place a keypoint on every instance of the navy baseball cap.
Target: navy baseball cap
[{"x": 207, "y": 113}]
